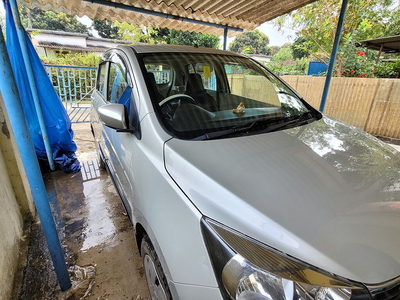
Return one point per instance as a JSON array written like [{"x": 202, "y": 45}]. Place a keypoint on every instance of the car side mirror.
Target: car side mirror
[{"x": 114, "y": 115}]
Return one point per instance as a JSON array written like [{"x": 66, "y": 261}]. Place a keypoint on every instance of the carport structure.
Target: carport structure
[
  {"x": 226, "y": 18},
  {"x": 218, "y": 17}
]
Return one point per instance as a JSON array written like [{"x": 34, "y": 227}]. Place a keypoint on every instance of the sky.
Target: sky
[{"x": 276, "y": 38}]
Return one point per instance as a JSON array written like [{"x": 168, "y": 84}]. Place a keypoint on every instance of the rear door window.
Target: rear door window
[{"x": 207, "y": 73}]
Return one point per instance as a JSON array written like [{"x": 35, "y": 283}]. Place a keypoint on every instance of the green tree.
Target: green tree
[
  {"x": 300, "y": 48},
  {"x": 251, "y": 42},
  {"x": 40, "y": 19},
  {"x": 106, "y": 29},
  {"x": 135, "y": 33},
  {"x": 393, "y": 24},
  {"x": 283, "y": 55},
  {"x": 317, "y": 23},
  {"x": 178, "y": 37},
  {"x": 274, "y": 49}
]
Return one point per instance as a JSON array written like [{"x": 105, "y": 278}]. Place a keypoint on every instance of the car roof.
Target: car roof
[{"x": 164, "y": 48}]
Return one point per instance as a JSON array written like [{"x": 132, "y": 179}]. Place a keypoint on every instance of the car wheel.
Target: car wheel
[{"x": 156, "y": 281}]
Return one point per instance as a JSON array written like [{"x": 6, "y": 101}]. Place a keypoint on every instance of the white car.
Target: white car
[{"x": 237, "y": 188}]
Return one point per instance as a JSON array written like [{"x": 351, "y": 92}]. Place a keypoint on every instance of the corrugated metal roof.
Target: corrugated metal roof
[
  {"x": 163, "y": 48},
  {"x": 243, "y": 14},
  {"x": 74, "y": 48},
  {"x": 390, "y": 44}
]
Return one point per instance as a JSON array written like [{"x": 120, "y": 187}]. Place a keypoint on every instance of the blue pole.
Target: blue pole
[
  {"x": 10, "y": 97},
  {"x": 333, "y": 54},
  {"x": 31, "y": 79},
  {"x": 225, "y": 37}
]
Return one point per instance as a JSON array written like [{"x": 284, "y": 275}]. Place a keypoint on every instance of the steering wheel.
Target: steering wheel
[
  {"x": 177, "y": 98},
  {"x": 170, "y": 104}
]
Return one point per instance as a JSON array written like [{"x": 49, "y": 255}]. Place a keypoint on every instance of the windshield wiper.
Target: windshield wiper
[
  {"x": 226, "y": 132},
  {"x": 292, "y": 122}
]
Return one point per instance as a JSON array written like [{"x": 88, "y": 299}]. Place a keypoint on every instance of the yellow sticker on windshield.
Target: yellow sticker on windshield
[{"x": 207, "y": 71}]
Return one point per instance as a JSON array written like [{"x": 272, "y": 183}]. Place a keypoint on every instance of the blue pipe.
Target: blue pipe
[
  {"x": 333, "y": 54},
  {"x": 31, "y": 79},
  {"x": 13, "y": 106},
  {"x": 158, "y": 14}
]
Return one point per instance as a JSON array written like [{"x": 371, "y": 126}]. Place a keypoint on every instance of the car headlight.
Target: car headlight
[{"x": 249, "y": 270}]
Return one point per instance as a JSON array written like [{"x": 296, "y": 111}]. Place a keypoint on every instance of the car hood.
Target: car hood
[{"x": 325, "y": 193}]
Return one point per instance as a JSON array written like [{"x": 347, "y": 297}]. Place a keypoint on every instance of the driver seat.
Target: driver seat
[{"x": 195, "y": 89}]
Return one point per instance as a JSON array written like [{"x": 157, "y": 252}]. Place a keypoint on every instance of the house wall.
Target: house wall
[
  {"x": 11, "y": 230},
  {"x": 66, "y": 40},
  {"x": 16, "y": 205}
]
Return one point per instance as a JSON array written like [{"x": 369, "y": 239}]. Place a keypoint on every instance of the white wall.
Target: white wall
[
  {"x": 16, "y": 206},
  {"x": 11, "y": 230}
]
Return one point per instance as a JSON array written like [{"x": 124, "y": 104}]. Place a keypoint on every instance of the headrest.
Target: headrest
[{"x": 195, "y": 83}]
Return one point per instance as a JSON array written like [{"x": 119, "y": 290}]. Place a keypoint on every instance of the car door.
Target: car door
[{"x": 120, "y": 145}]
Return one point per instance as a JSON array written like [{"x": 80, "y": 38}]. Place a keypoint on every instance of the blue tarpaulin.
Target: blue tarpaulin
[{"x": 57, "y": 122}]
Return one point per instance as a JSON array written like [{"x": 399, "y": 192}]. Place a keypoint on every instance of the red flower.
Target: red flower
[
  {"x": 352, "y": 71},
  {"x": 360, "y": 53}
]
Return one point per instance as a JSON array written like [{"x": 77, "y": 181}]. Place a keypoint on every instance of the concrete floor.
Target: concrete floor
[{"x": 96, "y": 235}]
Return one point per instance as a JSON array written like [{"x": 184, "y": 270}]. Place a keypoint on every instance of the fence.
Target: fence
[
  {"x": 74, "y": 85},
  {"x": 161, "y": 77},
  {"x": 371, "y": 104}
]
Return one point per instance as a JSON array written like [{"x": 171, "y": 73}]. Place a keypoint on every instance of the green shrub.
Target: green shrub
[
  {"x": 73, "y": 59},
  {"x": 388, "y": 69}
]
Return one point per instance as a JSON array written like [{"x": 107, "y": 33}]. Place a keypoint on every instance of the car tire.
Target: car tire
[
  {"x": 102, "y": 164},
  {"x": 100, "y": 159},
  {"x": 156, "y": 280}
]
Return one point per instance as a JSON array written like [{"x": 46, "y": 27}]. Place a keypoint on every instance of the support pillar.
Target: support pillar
[
  {"x": 13, "y": 106},
  {"x": 333, "y": 54}
]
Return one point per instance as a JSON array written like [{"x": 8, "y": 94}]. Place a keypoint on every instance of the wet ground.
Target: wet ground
[{"x": 96, "y": 235}]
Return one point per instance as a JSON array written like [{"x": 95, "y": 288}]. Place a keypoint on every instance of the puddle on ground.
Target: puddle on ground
[
  {"x": 96, "y": 237},
  {"x": 100, "y": 228}
]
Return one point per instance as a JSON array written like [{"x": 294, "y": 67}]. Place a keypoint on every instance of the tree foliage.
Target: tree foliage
[
  {"x": 106, "y": 29},
  {"x": 300, "y": 48},
  {"x": 251, "y": 42},
  {"x": 365, "y": 19},
  {"x": 283, "y": 54},
  {"x": 40, "y": 19},
  {"x": 283, "y": 62},
  {"x": 178, "y": 37},
  {"x": 393, "y": 24},
  {"x": 150, "y": 35},
  {"x": 134, "y": 33}
]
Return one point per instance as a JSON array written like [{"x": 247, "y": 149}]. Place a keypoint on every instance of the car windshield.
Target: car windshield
[{"x": 208, "y": 96}]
